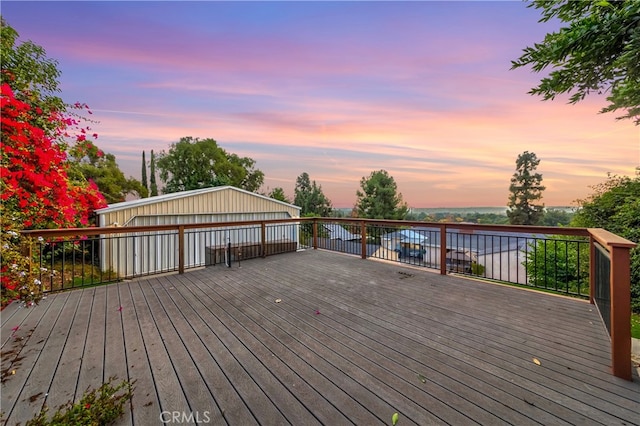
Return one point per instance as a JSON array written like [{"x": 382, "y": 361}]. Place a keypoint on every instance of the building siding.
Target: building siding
[{"x": 132, "y": 255}]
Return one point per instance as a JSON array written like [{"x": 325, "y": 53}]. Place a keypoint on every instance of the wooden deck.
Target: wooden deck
[{"x": 351, "y": 342}]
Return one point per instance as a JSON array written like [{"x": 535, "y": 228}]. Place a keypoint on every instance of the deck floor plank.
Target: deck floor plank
[
  {"x": 380, "y": 338},
  {"x": 192, "y": 383},
  {"x": 64, "y": 384},
  {"x": 298, "y": 375},
  {"x": 92, "y": 366},
  {"x": 218, "y": 359},
  {"x": 115, "y": 355},
  {"x": 479, "y": 353},
  {"x": 145, "y": 404},
  {"x": 516, "y": 348},
  {"x": 255, "y": 329},
  {"x": 167, "y": 385},
  {"x": 276, "y": 401},
  {"x": 373, "y": 352},
  {"x": 350, "y": 342},
  {"x": 24, "y": 353}
]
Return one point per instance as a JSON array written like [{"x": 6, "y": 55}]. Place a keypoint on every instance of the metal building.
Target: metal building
[{"x": 129, "y": 254}]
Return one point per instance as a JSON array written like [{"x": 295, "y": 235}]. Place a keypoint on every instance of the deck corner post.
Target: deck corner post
[{"x": 620, "y": 287}]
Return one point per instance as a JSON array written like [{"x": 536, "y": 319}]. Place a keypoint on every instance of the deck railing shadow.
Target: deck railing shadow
[{"x": 580, "y": 262}]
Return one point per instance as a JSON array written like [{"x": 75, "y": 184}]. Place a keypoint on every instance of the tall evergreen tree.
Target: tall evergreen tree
[
  {"x": 379, "y": 198},
  {"x": 144, "y": 172},
  {"x": 309, "y": 196},
  {"x": 153, "y": 187},
  {"x": 525, "y": 190}
]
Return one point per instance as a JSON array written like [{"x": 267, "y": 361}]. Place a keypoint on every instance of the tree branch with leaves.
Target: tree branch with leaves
[{"x": 597, "y": 52}]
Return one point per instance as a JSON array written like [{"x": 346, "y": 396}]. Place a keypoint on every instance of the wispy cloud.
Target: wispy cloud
[{"x": 420, "y": 89}]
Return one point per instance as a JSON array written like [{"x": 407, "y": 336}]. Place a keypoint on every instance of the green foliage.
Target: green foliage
[
  {"x": 615, "y": 206},
  {"x": 310, "y": 198},
  {"x": 477, "y": 269},
  {"x": 379, "y": 198},
  {"x": 20, "y": 274},
  {"x": 559, "y": 264},
  {"x": 100, "y": 406},
  {"x": 153, "y": 186},
  {"x": 635, "y": 326},
  {"x": 144, "y": 173},
  {"x": 102, "y": 169},
  {"x": 525, "y": 190},
  {"x": 556, "y": 217},
  {"x": 193, "y": 164},
  {"x": 31, "y": 75},
  {"x": 598, "y": 51},
  {"x": 278, "y": 194}
]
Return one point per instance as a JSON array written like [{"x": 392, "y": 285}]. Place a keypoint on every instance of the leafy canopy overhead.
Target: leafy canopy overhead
[{"x": 599, "y": 51}]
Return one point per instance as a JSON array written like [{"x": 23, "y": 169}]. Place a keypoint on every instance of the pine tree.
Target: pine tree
[
  {"x": 153, "y": 186},
  {"x": 525, "y": 189},
  {"x": 144, "y": 172}
]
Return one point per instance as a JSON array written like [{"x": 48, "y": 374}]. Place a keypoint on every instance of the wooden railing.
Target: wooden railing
[{"x": 121, "y": 252}]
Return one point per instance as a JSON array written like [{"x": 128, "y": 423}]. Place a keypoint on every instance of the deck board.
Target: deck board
[
  {"x": 64, "y": 384},
  {"x": 350, "y": 342}
]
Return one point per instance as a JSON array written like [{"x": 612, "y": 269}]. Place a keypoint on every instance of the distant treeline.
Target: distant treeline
[{"x": 554, "y": 216}]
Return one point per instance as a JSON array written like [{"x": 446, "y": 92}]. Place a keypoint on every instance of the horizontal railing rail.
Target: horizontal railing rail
[{"x": 580, "y": 262}]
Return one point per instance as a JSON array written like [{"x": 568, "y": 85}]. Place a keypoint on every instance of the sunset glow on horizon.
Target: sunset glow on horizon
[{"x": 423, "y": 90}]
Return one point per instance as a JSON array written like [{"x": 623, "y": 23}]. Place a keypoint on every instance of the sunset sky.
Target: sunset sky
[{"x": 423, "y": 90}]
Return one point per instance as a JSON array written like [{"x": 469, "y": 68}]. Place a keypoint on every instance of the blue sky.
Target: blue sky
[{"x": 335, "y": 89}]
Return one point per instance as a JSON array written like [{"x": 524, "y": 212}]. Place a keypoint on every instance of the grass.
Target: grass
[
  {"x": 77, "y": 275},
  {"x": 635, "y": 326}
]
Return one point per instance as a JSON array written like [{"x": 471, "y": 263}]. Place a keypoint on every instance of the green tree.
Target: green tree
[
  {"x": 556, "y": 217},
  {"x": 193, "y": 164},
  {"x": 379, "y": 198},
  {"x": 525, "y": 190},
  {"x": 559, "y": 263},
  {"x": 597, "y": 51},
  {"x": 309, "y": 197},
  {"x": 615, "y": 206},
  {"x": 144, "y": 172},
  {"x": 102, "y": 169},
  {"x": 153, "y": 186},
  {"x": 32, "y": 76},
  {"x": 278, "y": 194}
]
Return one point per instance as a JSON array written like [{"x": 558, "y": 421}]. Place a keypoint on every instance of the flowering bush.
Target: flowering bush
[
  {"x": 20, "y": 277},
  {"x": 36, "y": 190}
]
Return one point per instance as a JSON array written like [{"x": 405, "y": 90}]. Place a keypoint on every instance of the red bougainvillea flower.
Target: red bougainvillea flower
[{"x": 36, "y": 190}]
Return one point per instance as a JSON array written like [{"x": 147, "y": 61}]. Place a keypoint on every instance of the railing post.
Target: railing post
[
  {"x": 181, "y": 249},
  {"x": 620, "y": 283},
  {"x": 443, "y": 249},
  {"x": 315, "y": 234},
  {"x": 263, "y": 239},
  {"x": 363, "y": 235}
]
